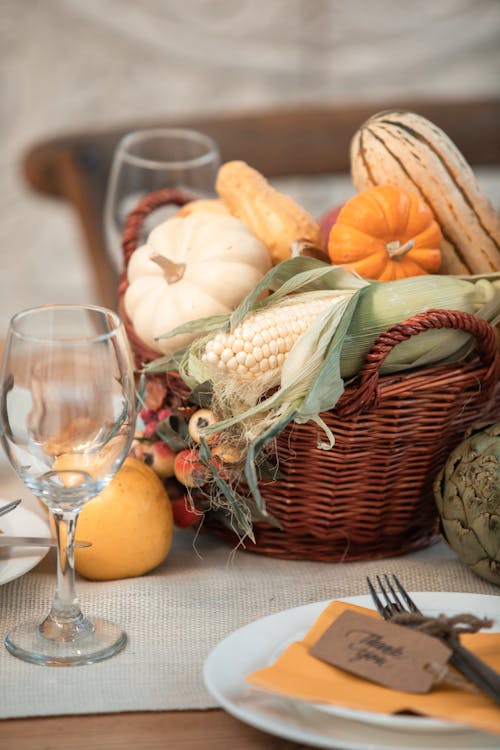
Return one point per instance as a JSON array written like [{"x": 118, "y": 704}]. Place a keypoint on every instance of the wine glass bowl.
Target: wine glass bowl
[
  {"x": 152, "y": 159},
  {"x": 67, "y": 416}
]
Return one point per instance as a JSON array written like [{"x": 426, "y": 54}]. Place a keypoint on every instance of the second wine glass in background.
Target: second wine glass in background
[{"x": 152, "y": 159}]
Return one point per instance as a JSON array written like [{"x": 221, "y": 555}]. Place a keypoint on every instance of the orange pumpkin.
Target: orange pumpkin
[{"x": 386, "y": 233}]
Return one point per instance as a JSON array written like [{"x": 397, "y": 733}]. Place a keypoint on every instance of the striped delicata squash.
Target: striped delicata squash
[{"x": 406, "y": 150}]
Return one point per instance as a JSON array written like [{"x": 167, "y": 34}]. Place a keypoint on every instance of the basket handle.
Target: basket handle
[
  {"x": 145, "y": 207},
  {"x": 366, "y": 394}
]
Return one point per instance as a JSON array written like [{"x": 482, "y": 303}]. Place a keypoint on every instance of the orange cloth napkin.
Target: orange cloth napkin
[{"x": 299, "y": 675}]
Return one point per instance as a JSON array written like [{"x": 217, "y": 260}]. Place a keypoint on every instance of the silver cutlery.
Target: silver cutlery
[
  {"x": 10, "y": 506},
  {"x": 394, "y": 602},
  {"x": 29, "y": 541},
  {"x": 35, "y": 541}
]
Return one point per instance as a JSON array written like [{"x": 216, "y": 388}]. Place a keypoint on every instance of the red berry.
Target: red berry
[
  {"x": 161, "y": 458},
  {"x": 189, "y": 470},
  {"x": 184, "y": 515}
]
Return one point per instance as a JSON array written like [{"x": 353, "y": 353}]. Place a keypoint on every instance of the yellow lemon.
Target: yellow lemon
[
  {"x": 130, "y": 525},
  {"x": 72, "y": 465}
]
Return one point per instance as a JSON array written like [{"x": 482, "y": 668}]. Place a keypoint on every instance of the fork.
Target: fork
[{"x": 485, "y": 678}]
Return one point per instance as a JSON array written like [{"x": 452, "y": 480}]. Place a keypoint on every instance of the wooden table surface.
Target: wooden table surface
[{"x": 176, "y": 730}]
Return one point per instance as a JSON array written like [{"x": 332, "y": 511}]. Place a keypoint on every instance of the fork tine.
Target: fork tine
[
  {"x": 391, "y": 607},
  {"x": 409, "y": 601},
  {"x": 376, "y": 599},
  {"x": 383, "y": 591},
  {"x": 396, "y": 599}
]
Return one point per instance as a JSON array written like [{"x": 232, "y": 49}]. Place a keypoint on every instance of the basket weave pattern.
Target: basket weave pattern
[{"x": 370, "y": 495}]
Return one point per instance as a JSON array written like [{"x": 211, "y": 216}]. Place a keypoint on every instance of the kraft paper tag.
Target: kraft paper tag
[{"x": 392, "y": 655}]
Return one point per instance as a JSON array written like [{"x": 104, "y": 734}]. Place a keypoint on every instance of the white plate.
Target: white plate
[
  {"x": 257, "y": 645},
  {"x": 16, "y": 561}
]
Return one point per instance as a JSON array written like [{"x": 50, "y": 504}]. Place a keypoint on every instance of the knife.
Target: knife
[
  {"x": 10, "y": 506},
  {"x": 34, "y": 541}
]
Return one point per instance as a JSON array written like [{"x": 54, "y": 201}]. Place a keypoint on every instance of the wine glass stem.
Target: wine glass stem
[{"x": 65, "y": 621}]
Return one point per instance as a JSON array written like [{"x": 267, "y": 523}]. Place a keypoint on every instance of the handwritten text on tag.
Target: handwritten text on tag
[{"x": 392, "y": 655}]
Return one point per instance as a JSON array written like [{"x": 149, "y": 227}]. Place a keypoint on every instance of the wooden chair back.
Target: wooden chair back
[{"x": 281, "y": 142}]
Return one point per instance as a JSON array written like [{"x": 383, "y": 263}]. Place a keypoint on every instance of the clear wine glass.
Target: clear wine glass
[
  {"x": 152, "y": 159},
  {"x": 67, "y": 417}
]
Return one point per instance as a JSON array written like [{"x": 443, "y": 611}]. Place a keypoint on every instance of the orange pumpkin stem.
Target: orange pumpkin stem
[
  {"x": 397, "y": 250},
  {"x": 173, "y": 271}
]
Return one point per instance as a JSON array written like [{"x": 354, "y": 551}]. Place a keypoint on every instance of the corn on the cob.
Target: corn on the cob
[
  {"x": 261, "y": 343},
  {"x": 326, "y": 347}
]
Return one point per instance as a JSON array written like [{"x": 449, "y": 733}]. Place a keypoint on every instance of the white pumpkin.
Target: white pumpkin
[{"x": 192, "y": 267}]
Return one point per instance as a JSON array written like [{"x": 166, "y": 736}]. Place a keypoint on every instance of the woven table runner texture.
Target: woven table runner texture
[{"x": 177, "y": 614}]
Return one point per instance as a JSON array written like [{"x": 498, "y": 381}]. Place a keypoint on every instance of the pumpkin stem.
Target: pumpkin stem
[
  {"x": 397, "y": 250},
  {"x": 173, "y": 271}
]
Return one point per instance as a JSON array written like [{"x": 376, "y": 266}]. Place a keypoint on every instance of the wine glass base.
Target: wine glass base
[{"x": 27, "y": 643}]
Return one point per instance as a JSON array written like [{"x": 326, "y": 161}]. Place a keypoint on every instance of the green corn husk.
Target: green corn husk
[
  {"x": 384, "y": 304},
  {"x": 379, "y": 305},
  {"x": 331, "y": 350}
]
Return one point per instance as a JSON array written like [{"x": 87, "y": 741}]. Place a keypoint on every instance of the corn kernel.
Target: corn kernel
[{"x": 262, "y": 342}]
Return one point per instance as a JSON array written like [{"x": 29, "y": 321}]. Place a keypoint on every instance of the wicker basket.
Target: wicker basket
[{"x": 371, "y": 495}]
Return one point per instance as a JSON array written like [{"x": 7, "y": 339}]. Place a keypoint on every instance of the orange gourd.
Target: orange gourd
[{"x": 386, "y": 233}]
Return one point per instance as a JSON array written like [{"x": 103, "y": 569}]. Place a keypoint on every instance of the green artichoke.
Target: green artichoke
[{"x": 467, "y": 493}]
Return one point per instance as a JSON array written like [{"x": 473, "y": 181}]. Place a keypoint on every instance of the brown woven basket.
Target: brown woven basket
[{"x": 371, "y": 495}]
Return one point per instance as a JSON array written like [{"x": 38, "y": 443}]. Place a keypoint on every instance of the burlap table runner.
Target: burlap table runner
[{"x": 177, "y": 614}]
